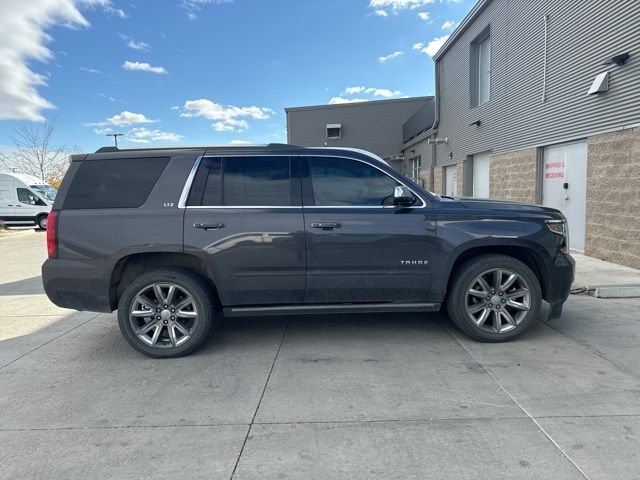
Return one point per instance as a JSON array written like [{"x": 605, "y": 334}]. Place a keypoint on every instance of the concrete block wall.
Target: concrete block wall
[
  {"x": 437, "y": 180},
  {"x": 613, "y": 197},
  {"x": 513, "y": 176},
  {"x": 460, "y": 179}
]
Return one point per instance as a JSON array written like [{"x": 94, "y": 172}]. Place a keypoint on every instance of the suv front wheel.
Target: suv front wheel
[
  {"x": 494, "y": 298},
  {"x": 166, "y": 313}
]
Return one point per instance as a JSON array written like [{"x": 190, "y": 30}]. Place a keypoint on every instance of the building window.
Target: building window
[
  {"x": 334, "y": 131},
  {"x": 416, "y": 170},
  {"x": 481, "y": 69}
]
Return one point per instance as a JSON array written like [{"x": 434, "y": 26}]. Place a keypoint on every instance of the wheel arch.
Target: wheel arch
[
  {"x": 131, "y": 266},
  {"x": 530, "y": 257}
]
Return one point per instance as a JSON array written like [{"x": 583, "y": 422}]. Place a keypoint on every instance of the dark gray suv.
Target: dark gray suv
[{"x": 175, "y": 238}]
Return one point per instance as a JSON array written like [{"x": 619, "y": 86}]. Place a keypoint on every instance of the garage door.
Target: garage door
[
  {"x": 451, "y": 180},
  {"x": 564, "y": 186},
  {"x": 481, "y": 175}
]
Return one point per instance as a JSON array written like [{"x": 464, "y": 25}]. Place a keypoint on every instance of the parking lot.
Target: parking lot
[{"x": 314, "y": 397}]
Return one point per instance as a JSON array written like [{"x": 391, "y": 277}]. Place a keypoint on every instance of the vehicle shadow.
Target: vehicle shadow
[{"x": 26, "y": 286}]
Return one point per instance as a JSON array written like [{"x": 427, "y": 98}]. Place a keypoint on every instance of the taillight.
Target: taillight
[{"x": 52, "y": 234}]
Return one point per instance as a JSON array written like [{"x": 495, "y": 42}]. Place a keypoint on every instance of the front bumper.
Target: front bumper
[
  {"x": 76, "y": 284},
  {"x": 561, "y": 274}
]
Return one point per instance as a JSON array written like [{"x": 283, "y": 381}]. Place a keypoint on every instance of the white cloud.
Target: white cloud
[
  {"x": 123, "y": 119},
  {"x": 376, "y": 92},
  {"x": 448, "y": 25},
  {"x": 131, "y": 43},
  {"x": 424, "y": 16},
  {"x": 145, "y": 135},
  {"x": 23, "y": 25},
  {"x": 143, "y": 67},
  {"x": 239, "y": 142},
  {"x": 129, "y": 118},
  {"x": 391, "y": 56},
  {"x": 432, "y": 47},
  {"x": 395, "y": 6},
  {"x": 107, "y": 7},
  {"x": 103, "y": 95},
  {"x": 227, "y": 118},
  {"x": 339, "y": 100},
  {"x": 89, "y": 70},
  {"x": 138, "y": 45},
  {"x": 193, "y": 6}
]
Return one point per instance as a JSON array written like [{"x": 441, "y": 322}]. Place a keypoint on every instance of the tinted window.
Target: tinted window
[
  {"x": 243, "y": 181},
  {"x": 121, "y": 183},
  {"x": 344, "y": 182}
]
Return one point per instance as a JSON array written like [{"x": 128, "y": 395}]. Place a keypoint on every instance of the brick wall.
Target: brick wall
[
  {"x": 613, "y": 197},
  {"x": 437, "y": 180},
  {"x": 512, "y": 176}
]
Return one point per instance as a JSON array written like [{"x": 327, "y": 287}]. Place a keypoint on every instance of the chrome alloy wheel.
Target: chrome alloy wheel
[
  {"x": 163, "y": 315},
  {"x": 498, "y": 300}
]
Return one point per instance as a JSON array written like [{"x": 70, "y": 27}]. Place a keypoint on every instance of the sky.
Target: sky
[{"x": 186, "y": 72}]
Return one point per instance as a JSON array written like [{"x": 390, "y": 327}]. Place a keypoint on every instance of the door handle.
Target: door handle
[
  {"x": 209, "y": 226},
  {"x": 326, "y": 225},
  {"x": 18, "y": 205}
]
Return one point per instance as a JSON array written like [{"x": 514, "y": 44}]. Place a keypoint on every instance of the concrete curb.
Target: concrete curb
[{"x": 614, "y": 291}]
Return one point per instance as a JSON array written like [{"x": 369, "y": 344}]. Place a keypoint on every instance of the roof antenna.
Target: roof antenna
[{"x": 115, "y": 137}]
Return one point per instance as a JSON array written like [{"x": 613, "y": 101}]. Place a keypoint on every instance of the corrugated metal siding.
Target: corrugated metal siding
[
  {"x": 419, "y": 122},
  {"x": 374, "y": 126},
  {"x": 581, "y": 35}
]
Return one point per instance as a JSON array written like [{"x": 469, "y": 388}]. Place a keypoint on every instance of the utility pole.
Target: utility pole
[{"x": 115, "y": 136}]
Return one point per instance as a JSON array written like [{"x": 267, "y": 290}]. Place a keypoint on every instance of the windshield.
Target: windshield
[{"x": 46, "y": 191}]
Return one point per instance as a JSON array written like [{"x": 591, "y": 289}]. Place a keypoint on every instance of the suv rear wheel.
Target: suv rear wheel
[
  {"x": 166, "y": 313},
  {"x": 494, "y": 298}
]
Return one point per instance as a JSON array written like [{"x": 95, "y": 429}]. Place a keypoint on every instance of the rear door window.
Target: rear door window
[
  {"x": 244, "y": 181},
  {"x": 114, "y": 183}
]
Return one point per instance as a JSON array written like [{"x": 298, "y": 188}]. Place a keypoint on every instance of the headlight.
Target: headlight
[{"x": 561, "y": 228}]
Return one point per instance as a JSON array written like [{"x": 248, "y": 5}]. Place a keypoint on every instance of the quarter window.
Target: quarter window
[
  {"x": 344, "y": 182},
  {"x": 114, "y": 183},
  {"x": 243, "y": 181}
]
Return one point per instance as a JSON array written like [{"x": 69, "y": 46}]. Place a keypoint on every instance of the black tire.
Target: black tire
[
  {"x": 41, "y": 222},
  {"x": 466, "y": 277},
  {"x": 187, "y": 283}
]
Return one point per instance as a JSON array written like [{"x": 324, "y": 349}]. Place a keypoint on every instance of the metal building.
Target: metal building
[
  {"x": 539, "y": 101},
  {"x": 376, "y": 126}
]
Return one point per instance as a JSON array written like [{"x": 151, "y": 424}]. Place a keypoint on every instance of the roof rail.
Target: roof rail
[
  {"x": 280, "y": 146},
  {"x": 107, "y": 149}
]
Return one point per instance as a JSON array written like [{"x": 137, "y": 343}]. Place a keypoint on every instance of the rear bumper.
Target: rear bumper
[
  {"x": 561, "y": 274},
  {"x": 76, "y": 284}
]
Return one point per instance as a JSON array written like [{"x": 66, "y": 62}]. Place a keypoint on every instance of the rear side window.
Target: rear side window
[
  {"x": 244, "y": 181},
  {"x": 115, "y": 183}
]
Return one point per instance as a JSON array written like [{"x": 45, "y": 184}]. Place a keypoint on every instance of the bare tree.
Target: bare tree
[{"x": 34, "y": 153}]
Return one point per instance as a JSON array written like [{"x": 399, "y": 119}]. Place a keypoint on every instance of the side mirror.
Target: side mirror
[{"x": 402, "y": 197}]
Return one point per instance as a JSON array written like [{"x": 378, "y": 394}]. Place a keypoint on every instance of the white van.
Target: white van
[{"x": 25, "y": 200}]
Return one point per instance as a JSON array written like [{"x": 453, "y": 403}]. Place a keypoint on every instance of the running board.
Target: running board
[{"x": 330, "y": 308}]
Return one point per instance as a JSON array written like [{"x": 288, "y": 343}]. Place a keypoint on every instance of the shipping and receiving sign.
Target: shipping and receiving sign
[{"x": 554, "y": 170}]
